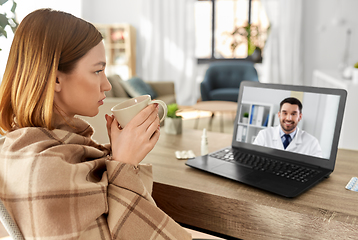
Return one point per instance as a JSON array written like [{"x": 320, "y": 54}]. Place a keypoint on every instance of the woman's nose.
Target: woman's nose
[{"x": 106, "y": 86}]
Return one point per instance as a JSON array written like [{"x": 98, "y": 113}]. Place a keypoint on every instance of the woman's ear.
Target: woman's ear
[{"x": 59, "y": 80}]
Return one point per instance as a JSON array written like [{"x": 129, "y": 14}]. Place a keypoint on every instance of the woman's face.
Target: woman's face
[{"x": 81, "y": 92}]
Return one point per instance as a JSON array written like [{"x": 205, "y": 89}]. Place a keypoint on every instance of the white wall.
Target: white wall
[
  {"x": 24, "y": 7},
  {"x": 112, "y": 11},
  {"x": 115, "y": 11},
  {"x": 324, "y": 40}
]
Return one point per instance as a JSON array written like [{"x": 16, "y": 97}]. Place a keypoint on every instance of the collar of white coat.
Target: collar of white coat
[
  {"x": 292, "y": 134},
  {"x": 296, "y": 140}
]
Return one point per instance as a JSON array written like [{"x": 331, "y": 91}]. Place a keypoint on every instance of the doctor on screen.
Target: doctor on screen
[{"x": 287, "y": 136}]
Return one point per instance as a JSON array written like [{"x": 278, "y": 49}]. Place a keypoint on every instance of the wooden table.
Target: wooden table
[
  {"x": 215, "y": 106},
  {"x": 223, "y": 207}
]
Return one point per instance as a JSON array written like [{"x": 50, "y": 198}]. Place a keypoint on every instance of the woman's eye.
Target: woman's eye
[{"x": 98, "y": 72}]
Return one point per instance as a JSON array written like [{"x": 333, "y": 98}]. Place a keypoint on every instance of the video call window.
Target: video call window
[{"x": 259, "y": 111}]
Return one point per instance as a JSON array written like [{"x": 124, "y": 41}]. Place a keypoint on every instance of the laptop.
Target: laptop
[{"x": 257, "y": 157}]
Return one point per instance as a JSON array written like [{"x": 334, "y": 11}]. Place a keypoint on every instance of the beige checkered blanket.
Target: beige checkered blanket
[{"x": 59, "y": 185}]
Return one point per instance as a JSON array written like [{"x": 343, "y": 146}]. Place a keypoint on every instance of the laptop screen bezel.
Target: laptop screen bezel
[{"x": 306, "y": 159}]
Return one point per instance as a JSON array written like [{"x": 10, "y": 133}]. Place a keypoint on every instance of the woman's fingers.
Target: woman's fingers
[
  {"x": 153, "y": 126},
  {"x": 141, "y": 118},
  {"x": 155, "y": 136},
  {"x": 109, "y": 121}
]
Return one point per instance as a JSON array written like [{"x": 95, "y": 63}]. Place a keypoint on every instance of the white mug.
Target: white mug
[{"x": 125, "y": 111}]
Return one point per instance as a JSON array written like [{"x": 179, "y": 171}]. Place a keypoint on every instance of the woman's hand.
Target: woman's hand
[
  {"x": 109, "y": 120},
  {"x": 132, "y": 143}
]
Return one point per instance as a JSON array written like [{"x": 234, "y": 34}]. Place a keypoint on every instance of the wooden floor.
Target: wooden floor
[{"x": 189, "y": 117}]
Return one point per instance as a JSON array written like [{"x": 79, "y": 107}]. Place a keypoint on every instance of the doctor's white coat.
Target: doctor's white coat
[{"x": 303, "y": 142}]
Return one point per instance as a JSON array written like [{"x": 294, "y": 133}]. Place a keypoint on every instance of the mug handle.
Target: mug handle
[{"x": 163, "y": 105}]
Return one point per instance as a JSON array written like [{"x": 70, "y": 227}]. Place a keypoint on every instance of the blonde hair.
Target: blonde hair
[{"x": 44, "y": 42}]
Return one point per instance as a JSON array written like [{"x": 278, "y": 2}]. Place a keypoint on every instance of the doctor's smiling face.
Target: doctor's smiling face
[{"x": 290, "y": 114}]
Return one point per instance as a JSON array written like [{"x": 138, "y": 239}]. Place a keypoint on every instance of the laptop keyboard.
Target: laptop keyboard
[{"x": 283, "y": 169}]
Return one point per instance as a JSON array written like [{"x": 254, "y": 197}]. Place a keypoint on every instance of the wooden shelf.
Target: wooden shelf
[{"x": 120, "y": 46}]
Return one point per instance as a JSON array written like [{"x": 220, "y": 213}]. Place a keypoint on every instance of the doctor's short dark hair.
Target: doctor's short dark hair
[{"x": 292, "y": 101}]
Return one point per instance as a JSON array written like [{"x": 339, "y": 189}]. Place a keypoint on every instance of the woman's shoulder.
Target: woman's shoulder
[
  {"x": 32, "y": 139},
  {"x": 75, "y": 134}
]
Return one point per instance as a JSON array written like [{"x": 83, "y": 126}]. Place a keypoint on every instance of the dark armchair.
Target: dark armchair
[{"x": 222, "y": 80}]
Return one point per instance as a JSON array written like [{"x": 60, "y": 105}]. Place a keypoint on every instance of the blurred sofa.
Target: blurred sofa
[{"x": 123, "y": 90}]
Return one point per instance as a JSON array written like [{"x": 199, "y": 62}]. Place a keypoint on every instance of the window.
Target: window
[{"x": 230, "y": 29}]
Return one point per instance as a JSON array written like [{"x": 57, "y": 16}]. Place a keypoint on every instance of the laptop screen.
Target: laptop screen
[{"x": 310, "y": 117}]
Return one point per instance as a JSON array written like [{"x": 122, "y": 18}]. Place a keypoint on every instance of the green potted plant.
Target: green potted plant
[
  {"x": 355, "y": 73},
  {"x": 245, "y": 117},
  {"x": 6, "y": 20},
  {"x": 173, "y": 122}
]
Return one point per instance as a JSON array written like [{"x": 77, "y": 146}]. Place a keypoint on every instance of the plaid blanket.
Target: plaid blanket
[{"x": 59, "y": 184}]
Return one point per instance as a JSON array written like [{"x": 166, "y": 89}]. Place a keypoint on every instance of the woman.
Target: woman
[{"x": 54, "y": 179}]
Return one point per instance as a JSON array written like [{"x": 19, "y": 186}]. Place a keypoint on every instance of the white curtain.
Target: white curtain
[
  {"x": 167, "y": 45},
  {"x": 283, "y": 58}
]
